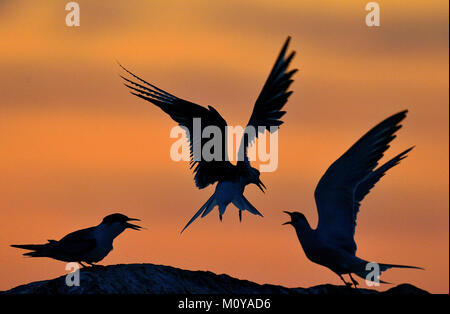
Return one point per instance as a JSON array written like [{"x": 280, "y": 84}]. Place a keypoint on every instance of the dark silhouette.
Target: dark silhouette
[
  {"x": 160, "y": 279},
  {"x": 89, "y": 245},
  {"x": 338, "y": 196},
  {"x": 231, "y": 179}
]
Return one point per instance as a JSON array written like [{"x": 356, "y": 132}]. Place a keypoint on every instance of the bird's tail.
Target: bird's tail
[
  {"x": 370, "y": 274},
  {"x": 204, "y": 210},
  {"x": 243, "y": 204},
  {"x": 384, "y": 267},
  {"x": 38, "y": 250}
]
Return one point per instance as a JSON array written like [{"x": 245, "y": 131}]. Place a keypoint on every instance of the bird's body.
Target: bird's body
[
  {"x": 103, "y": 237},
  {"x": 323, "y": 251},
  {"x": 231, "y": 179},
  {"x": 89, "y": 245},
  {"x": 338, "y": 195},
  {"x": 228, "y": 192}
]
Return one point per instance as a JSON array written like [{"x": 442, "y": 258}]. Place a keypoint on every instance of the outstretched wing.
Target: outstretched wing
[
  {"x": 335, "y": 193},
  {"x": 184, "y": 112},
  {"x": 369, "y": 182},
  {"x": 274, "y": 95}
]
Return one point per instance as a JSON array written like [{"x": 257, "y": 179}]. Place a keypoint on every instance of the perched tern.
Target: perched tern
[
  {"x": 89, "y": 245},
  {"x": 338, "y": 196},
  {"x": 231, "y": 179}
]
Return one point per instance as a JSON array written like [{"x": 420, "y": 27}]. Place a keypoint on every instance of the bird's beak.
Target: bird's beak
[
  {"x": 133, "y": 226},
  {"x": 133, "y": 219},
  {"x": 261, "y": 185},
  {"x": 287, "y": 222}
]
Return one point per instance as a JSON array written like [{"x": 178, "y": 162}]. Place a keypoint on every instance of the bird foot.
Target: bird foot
[
  {"x": 355, "y": 283},
  {"x": 347, "y": 284}
]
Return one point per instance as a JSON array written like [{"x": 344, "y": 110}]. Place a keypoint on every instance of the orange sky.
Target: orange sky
[{"x": 75, "y": 145}]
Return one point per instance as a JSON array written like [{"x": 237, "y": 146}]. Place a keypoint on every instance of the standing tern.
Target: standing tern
[
  {"x": 89, "y": 245},
  {"x": 338, "y": 196},
  {"x": 231, "y": 179}
]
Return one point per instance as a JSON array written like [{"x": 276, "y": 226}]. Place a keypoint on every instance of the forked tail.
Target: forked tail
[
  {"x": 243, "y": 204},
  {"x": 204, "y": 210},
  {"x": 370, "y": 274},
  {"x": 38, "y": 250},
  {"x": 384, "y": 267}
]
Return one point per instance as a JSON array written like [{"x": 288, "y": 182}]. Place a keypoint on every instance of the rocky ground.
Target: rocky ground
[{"x": 158, "y": 279}]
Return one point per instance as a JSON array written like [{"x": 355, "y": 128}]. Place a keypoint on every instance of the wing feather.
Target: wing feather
[
  {"x": 336, "y": 193},
  {"x": 272, "y": 98},
  {"x": 184, "y": 112}
]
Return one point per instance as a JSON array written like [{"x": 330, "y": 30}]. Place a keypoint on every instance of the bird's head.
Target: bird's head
[
  {"x": 296, "y": 219},
  {"x": 120, "y": 221},
  {"x": 253, "y": 177}
]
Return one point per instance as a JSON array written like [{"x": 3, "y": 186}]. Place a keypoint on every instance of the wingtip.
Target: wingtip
[
  {"x": 403, "y": 113},
  {"x": 182, "y": 230},
  {"x": 126, "y": 70},
  {"x": 403, "y": 155},
  {"x": 121, "y": 66},
  {"x": 285, "y": 46},
  {"x": 288, "y": 39},
  {"x": 291, "y": 56}
]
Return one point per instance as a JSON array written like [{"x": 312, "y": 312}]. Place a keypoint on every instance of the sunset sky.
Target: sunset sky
[{"x": 76, "y": 146}]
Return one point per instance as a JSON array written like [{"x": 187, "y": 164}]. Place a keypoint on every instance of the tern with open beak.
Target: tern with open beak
[
  {"x": 231, "y": 179},
  {"x": 89, "y": 245},
  {"x": 338, "y": 196}
]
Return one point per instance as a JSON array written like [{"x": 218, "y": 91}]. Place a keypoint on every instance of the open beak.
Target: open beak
[
  {"x": 288, "y": 222},
  {"x": 261, "y": 185},
  {"x": 133, "y": 226}
]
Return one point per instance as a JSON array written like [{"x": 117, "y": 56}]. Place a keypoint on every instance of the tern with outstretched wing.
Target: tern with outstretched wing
[
  {"x": 231, "y": 179},
  {"x": 338, "y": 196}
]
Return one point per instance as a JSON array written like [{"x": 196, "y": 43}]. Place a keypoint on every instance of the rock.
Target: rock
[{"x": 158, "y": 279}]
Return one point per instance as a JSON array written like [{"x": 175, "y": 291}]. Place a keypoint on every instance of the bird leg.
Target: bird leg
[
  {"x": 240, "y": 215},
  {"x": 347, "y": 284},
  {"x": 94, "y": 265},
  {"x": 353, "y": 280}
]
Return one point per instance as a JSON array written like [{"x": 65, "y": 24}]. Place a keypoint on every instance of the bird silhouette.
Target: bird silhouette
[
  {"x": 338, "y": 196},
  {"x": 89, "y": 245},
  {"x": 231, "y": 179}
]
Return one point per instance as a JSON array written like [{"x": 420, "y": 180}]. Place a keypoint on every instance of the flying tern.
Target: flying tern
[
  {"x": 89, "y": 245},
  {"x": 231, "y": 179},
  {"x": 338, "y": 197}
]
